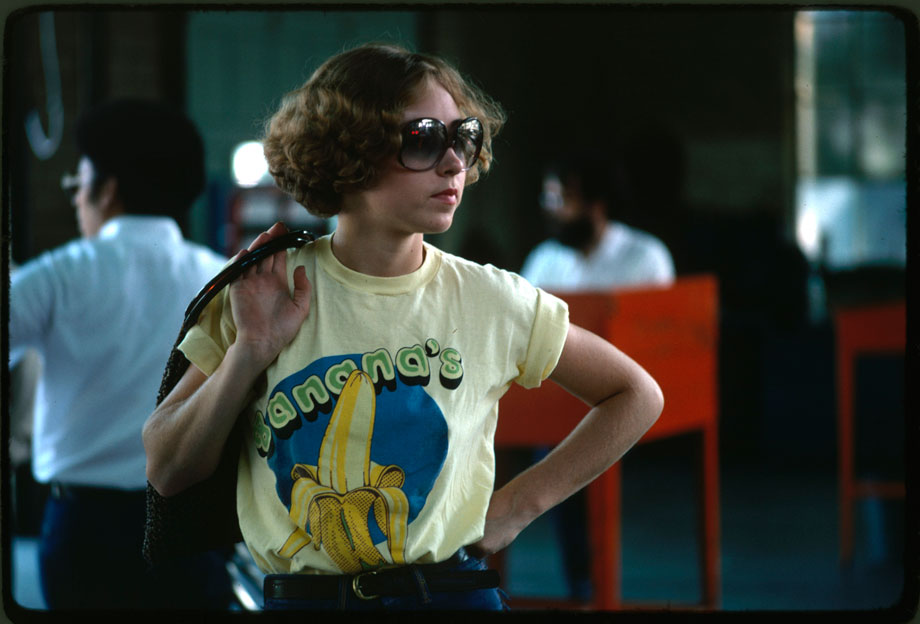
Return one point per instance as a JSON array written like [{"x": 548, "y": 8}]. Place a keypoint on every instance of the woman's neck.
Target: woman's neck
[{"x": 369, "y": 251}]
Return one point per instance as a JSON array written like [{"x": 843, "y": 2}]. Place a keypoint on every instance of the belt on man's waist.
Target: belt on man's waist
[
  {"x": 399, "y": 581},
  {"x": 60, "y": 491}
]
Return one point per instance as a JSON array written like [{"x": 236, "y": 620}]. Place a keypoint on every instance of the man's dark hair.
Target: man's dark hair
[
  {"x": 598, "y": 175},
  {"x": 154, "y": 152}
]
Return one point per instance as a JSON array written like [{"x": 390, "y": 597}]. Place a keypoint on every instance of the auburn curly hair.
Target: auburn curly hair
[{"x": 331, "y": 136}]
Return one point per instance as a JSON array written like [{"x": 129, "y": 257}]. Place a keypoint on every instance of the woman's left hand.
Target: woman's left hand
[{"x": 502, "y": 525}]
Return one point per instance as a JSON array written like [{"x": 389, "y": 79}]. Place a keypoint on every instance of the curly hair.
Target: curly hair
[{"x": 332, "y": 135}]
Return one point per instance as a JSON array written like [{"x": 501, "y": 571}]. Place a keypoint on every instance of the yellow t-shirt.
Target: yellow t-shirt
[{"x": 371, "y": 436}]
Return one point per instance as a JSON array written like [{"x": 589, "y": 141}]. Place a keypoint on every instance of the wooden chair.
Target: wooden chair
[
  {"x": 865, "y": 330},
  {"x": 673, "y": 333}
]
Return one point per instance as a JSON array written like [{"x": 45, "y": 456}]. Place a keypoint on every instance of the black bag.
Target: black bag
[{"x": 203, "y": 517}]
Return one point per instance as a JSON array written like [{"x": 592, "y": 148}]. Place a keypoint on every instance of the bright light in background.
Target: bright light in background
[
  {"x": 249, "y": 165},
  {"x": 808, "y": 232}
]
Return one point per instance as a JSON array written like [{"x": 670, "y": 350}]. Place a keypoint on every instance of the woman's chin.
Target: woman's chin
[{"x": 440, "y": 225}]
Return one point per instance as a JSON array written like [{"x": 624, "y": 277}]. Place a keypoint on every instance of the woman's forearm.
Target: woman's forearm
[
  {"x": 602, "y": 437},
  {"x": 625, "y": 402},
  {"x": 185, "y": 435}
]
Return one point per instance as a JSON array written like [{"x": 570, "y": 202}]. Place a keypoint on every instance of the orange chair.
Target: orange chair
[
  {"x": 673, "y": 334},
  {"x": 861, "y": 331}
]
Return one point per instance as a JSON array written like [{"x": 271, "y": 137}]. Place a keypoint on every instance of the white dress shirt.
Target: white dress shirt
[
  {"x": 625, "y": 257},
  {"x": 104, "y": 314}
]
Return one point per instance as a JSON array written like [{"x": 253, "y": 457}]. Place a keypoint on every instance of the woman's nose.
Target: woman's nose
[{"x": 451, "y": 163}]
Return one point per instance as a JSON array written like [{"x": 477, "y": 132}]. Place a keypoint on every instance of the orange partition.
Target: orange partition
[
  {"x": 863, "y": 330},
  {"x": 673, "y": 333}
]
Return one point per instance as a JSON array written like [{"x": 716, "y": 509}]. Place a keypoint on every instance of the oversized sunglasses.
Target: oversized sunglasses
[{"x": 425, "y": 141}]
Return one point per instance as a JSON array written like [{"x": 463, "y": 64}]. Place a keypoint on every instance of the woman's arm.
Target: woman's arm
[
  {"x": 625, "y": 402},
  {"x": 184, "y": 436}
]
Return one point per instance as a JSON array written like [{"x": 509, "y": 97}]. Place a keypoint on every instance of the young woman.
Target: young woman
[{"x": 370, "y": 364}]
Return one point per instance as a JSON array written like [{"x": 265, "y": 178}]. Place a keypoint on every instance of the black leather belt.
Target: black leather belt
[
  {"x": 400, "y": 581},
  {"x": 61, "y": 491}
]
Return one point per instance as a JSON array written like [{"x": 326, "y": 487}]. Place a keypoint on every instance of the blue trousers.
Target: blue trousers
[
  {"x": 346, "y": 600},
  {"x": 90, "y": 557}
]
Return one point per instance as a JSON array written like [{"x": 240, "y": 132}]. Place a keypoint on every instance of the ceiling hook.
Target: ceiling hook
[{"x": 45, "y": 145}]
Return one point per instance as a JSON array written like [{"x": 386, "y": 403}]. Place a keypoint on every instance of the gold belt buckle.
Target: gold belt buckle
[{"x": 356, "y": 585}]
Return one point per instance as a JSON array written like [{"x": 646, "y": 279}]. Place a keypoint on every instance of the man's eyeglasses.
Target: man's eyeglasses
[
  {"x": 553, "y": 197},
  {"x": 70, "y": 182},
  {"x": 425, "y": 141}
]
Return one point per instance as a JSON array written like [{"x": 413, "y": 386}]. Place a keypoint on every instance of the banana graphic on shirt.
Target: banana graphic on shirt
[{"x": 335, "y": 498}]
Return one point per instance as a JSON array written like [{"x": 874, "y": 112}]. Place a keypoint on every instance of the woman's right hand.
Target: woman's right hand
[{"x": 267, "y": 315}]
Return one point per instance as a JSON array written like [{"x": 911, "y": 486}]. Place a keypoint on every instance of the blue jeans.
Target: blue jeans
[
  {"x": 476, "y": 599},
  {"x": 90, "y": 558}
]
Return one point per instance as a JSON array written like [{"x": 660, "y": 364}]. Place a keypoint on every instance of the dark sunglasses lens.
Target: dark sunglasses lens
[
  {"x": 469, "y": 141},
  {"x": 422, "y": 144}
]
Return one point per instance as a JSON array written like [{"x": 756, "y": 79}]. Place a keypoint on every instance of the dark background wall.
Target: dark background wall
[{"x": 712, "y": 87}]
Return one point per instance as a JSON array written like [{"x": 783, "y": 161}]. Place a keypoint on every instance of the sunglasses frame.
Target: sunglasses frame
[{"x": 449, "y": 142}]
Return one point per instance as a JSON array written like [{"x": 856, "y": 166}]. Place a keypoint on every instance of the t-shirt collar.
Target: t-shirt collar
[{"x": 373, "y": 284}]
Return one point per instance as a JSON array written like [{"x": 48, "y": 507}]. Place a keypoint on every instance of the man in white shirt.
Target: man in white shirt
[
  {"x": 589, "y": 251},
  {"x": 103, "y": 312}
]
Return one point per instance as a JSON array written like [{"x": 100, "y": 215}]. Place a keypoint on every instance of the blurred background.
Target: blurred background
[{"x": 765, "y": 147}]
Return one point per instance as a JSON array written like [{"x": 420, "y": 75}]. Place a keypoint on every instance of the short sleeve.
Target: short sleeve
[
  {"x": 33, "y": 296},
  {"x": 206, "y": 343},
  {"x": 547, "y": 337}
]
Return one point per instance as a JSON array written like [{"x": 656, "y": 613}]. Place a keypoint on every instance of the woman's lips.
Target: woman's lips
[{"x": 447, "y": 196}]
